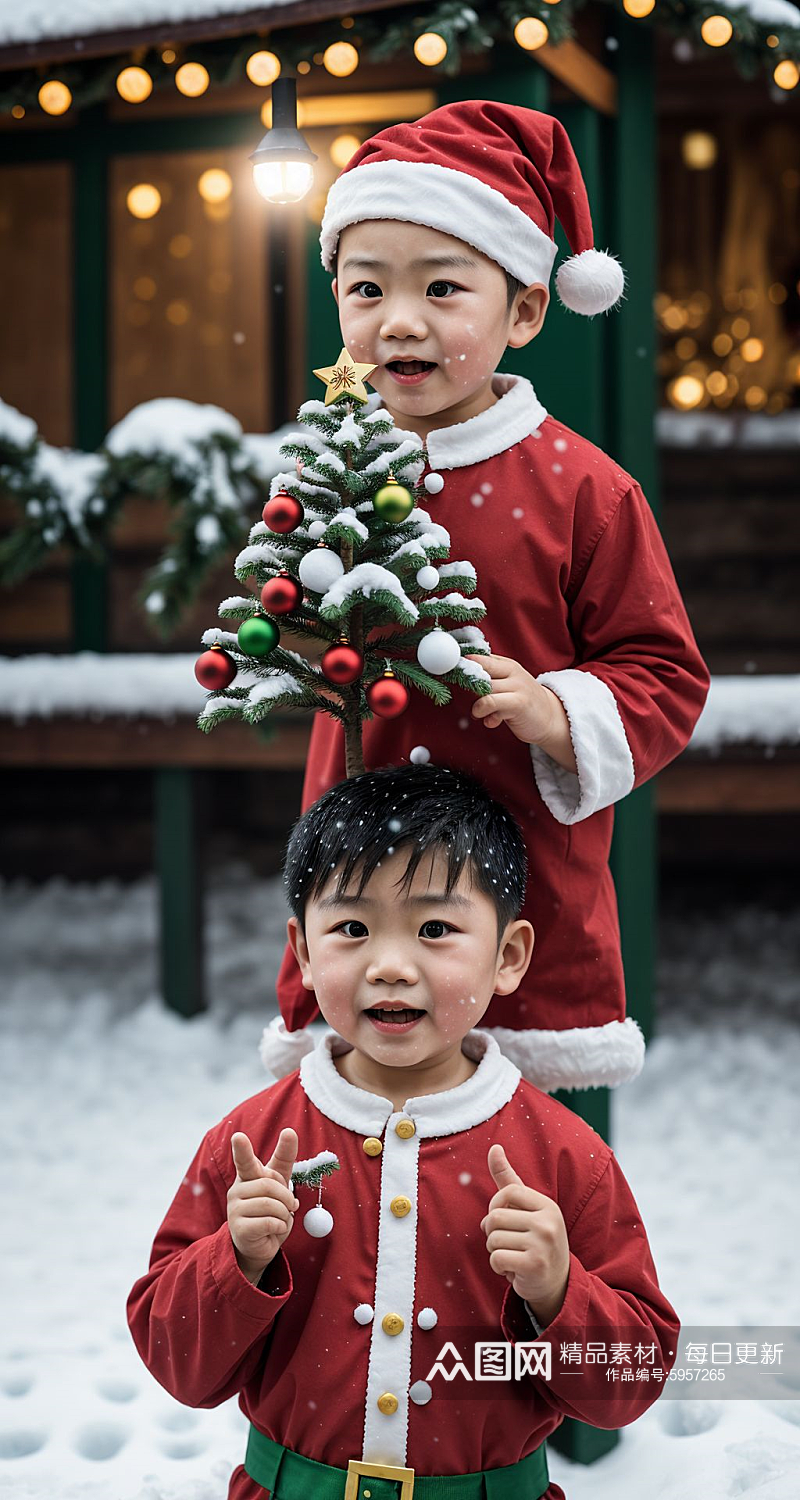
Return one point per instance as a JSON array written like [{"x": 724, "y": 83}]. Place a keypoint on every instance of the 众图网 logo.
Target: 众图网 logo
[{"x": 495, "y": 1360}]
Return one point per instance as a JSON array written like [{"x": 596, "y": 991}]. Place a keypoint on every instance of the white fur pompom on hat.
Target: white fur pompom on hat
[
  {"x": 590, "y": 283},
  {"x": 282, "y": 1051}
]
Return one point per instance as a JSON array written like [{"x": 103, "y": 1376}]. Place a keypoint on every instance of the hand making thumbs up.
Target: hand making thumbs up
[
  {"x": 527, "y": 1240},
  {"x": 261, "y": 1202}
]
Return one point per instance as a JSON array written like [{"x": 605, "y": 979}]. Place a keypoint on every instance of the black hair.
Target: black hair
[
  {"x": 360, "y": 822},
  {"x": 512, "y": 284}
]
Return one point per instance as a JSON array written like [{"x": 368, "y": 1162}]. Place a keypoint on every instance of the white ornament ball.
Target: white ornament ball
[
  {"x": 428, "y": 577},
  {"x": 438, "y": 652},
  {"x": 316, "y": 530},
  {"x": 364, "y": 1314},
  {"x": 427, "y": 1318},
  {"x": 433, "y": 483},
  {"x": 319, "y": 569},
  {"x": 420, "y": 755},
  {"x": 318, "y": 1222},
  {"x": 420, "y": 1393}
]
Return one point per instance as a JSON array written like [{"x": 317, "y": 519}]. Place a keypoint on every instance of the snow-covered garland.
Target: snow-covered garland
[
  {"x": 196, "y": 457},
  {"x": 465, "y": 28}
]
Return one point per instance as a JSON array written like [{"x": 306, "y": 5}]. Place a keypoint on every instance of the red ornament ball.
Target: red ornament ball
[
  {"x": 280, "y": 595},
  {"x": 387, "y": 697},
  {"x": 214, "y": 669},
  {"x": 342, "y": 663},
  {"x": 283, "y": 513}
]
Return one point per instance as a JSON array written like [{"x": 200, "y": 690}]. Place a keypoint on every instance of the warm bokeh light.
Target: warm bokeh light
[
  {"x": 340, "y": 59},
  {"x": 263, "y": 68},
  {"x": 722, "y": 344},
  {"x": 699, "y": 150},
  {"x": 215, "y": 185},
  {"x": 144, "y": 288},
  {"x": 740, "y": 328},
  {"x": 777, "y": 293},
  {"x": 192, "y": 79},
  {"x": 674, "y": 317},
  {"x": 430, "y": 48},
  {"x": 180, "y": 246},
  {"x": 686, "y": 348},
  {"x": 304, "y": 67},
  {"x": 685, "y": 392},
  {"x": 178, "y": 312},
  {"x": 134, "y": 85},
  {"x": 18, "y": 111},
  {"x": 342, "y": 148},
  {"x": 168, "y": 55},
  {"x": 716, "y": 383},
  {"x": 787, "y": 74},
  {"x": 752, "y": 350},
  {"x": 639, "y": 8},
  {"x": 143, "y": 200},
  {"x": 755, "y": 397},
  {"x": 716, "y": 31},
  {"x": 773, "y": 40},
  {"x": 530, "y": 33},
  {"x": 54, "y": 97}
]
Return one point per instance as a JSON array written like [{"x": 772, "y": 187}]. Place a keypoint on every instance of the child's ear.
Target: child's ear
[
  {"x": 528, "y": 315},
  {"x": 299, "y": 947},
  {"x": 513, "y": 957},
  {"x": 335, "y": 290}
]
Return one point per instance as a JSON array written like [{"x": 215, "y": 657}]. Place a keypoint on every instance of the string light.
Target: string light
[
  {"x": 263, "y": 68},
  {"x": 716, "y": 31},
  {"x": 752, "y": 351},
  {"x": 192, "y": 79},
  {"x": 340, "y": 59},
  {"x": 168, "y": 56},
  {"x": 134, "y": 85},
  {"x": 18, "y": 111},
  {"x": 699, "y": 150},
  {"x": 54, "y": 97},
  {"x": 773, "y": 40},
  {"x": 530, "y": 33},
  {"x": 143, "y": 200},
  {"x": 304, "y": 67},
  {"x": 639, "y": 8},
  {"x": 687, "y": 391},
  {"x": 787, "y": 74},
  {"x": 430, "y": 48},
  {"x": 722, "y": 344},
  {"x": 215, "y": 185}
]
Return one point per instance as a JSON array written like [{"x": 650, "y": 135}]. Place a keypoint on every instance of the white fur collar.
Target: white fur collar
[
  {"x": 481, "y": 1096},
  {"x": 516, "y": 414}
]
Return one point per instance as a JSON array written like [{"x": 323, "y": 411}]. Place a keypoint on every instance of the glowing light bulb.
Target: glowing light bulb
[
  {"x": 263, "y": 68},
  {"x": 699, "y": 150},
  {"x": 716, "y": 31},
  {"x": 639, "y": 8},
  {"x": 192, "y": 79},
  {"x": 54, "y": 97},
  {"x": 342, "y": 148},
  {"x": 143, "y": 201},
  {"x": 430, "y": 48},
  {"x": 215, "y": 185},
  {"x": 787, "y": 74},
  {"x": 685, "y": 392},
  {"x": 134, "y": 85},
  {"x": 340, "y": 59},
  {"x": 283, "y": 181},
  {"x": 530, "y": 33}
]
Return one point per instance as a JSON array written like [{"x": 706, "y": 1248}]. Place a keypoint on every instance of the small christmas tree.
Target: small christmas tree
[{"x": 346, "y": 557}]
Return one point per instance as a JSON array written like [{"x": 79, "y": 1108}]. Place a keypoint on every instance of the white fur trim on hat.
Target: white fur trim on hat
[
  {"x": 590, "y": 283},
  {"x": 282, "y": 1051},
  {"x": 444, "y": 199},
  {"x": 582, "y": 1057}
]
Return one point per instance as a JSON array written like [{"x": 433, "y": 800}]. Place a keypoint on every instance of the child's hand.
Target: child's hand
[
  {"x": 532, "y": 712},
  {"x": 527, "y": 1240},
  {"x": 261, "y": 1202}
]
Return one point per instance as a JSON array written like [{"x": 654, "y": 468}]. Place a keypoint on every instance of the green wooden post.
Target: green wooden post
[
  {"x": 632, "y": 389},
  {"x": 89, "y": 371}
]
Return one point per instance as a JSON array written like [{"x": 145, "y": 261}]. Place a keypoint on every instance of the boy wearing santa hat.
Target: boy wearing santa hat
[
  {"x": 458, "y": 1262},
  {"x": 440, "y": 238}
]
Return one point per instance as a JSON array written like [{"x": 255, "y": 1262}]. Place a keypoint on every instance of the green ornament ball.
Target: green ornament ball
[
  {"x": 393, "y": 502},
  {"x": 257, "y": 636}
]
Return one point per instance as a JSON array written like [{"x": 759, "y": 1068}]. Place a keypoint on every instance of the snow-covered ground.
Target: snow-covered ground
[{"x": 106, "y": 1096}]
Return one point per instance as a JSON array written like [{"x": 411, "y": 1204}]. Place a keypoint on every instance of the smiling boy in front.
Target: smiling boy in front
[{"x": 467, "y": 1207}]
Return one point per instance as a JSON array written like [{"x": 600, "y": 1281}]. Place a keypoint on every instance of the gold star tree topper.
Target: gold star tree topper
[{"x": 345, "y": 378}]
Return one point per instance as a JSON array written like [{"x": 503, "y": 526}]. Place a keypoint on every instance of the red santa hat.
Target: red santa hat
[{"x": 494, "y": 175}]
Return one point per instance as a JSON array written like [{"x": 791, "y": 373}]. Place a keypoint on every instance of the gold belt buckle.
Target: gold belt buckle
[{"x": 357, "y": 1468}]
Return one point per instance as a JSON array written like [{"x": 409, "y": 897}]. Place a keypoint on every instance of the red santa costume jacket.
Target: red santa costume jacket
[
  {"x": 579, "y": 589},
  {"x": 309, "y": 1355}
]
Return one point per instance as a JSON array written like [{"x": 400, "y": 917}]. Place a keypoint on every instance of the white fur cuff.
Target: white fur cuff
[{"x": 602, "y": 753}]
